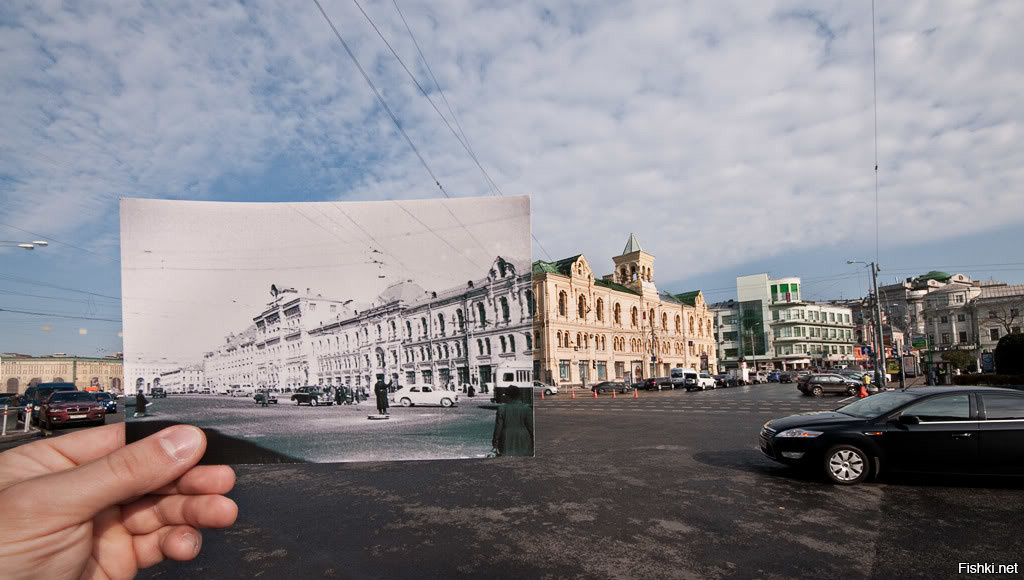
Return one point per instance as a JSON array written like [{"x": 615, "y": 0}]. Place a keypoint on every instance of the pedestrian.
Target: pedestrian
[
  {"x": 140, "y": 404},
  {"x": 472, "y": 391},
  {"x": 337, "y": 395},
  {"x": 264, "y": 396},
  {"x": 381, "y": 391},
  {"x": 513, "y": 426},
  {"x": 349, "y": 396}
]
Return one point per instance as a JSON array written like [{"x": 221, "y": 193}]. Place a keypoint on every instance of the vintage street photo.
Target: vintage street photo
[{"x": 331, "y": 332}]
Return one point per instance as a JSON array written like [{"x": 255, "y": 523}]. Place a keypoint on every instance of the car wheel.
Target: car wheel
[
  {"x": 817, "y": 391},
  {"x": 852, "y": 391},
  {"x": 296, "y": 402},
  {"x": 846, "y": 465},
  {"x": 406, "y": 402},
  {"x": 548, "y": 393},
  {"x": 102, "y": 421},
  {"x": 446, "y": 402},
  {"x": 313, "y": 402}
]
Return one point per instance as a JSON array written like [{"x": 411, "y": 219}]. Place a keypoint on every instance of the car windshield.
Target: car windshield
[
  {"x": 877, "y": 405},
  {"x": 71, "y": 396},
  {"x": 103, "y": 396}
]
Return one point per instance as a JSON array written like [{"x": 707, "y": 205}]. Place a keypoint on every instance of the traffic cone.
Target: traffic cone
[
  {"x": 613, "y": 393},
  {"x": 636, "y": 393},
  {"x": 595, "y": 393},
  {"x": 542, "y": 395},
  {"x": 863, "y": 392},
  {"x": 573, "y": 391}
]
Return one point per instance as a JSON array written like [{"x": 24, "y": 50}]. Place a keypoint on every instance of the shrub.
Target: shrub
[{"x": 1010, "y": 355}]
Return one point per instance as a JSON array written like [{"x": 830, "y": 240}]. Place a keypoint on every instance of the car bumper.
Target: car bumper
[
  {"x": 791, "y": 451},
  {"x": 64, "y": 419}
]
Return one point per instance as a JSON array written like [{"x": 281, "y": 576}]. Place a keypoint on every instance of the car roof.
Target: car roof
[{"x": 964, "y": 389}]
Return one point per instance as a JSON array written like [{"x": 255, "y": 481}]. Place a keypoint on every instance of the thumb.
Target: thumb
[{"x": 129, "y": 472}]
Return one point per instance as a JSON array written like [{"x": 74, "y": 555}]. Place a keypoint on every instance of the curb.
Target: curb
[{"x": 19, "y": 435}]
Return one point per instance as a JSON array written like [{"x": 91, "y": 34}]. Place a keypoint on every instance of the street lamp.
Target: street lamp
[
  {"x": 23, "y": 245},
  {"x": 880, "y": 351}
]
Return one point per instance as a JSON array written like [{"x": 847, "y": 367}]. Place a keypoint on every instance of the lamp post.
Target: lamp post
[{"x": 879, "y": 351}]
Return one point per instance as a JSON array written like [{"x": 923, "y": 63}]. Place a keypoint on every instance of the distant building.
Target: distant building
[
  {"x": 183, "y": 380},
  {"x": 18, "y": 372},
  {"x": 771, "y": 326},
  {"x": 905, "y": 301},
  {"x": 618, "y": 327},
  {"x": 972, "y": 318}
]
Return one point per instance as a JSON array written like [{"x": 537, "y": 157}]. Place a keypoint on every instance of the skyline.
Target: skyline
[{"x": 730, "y": 138}]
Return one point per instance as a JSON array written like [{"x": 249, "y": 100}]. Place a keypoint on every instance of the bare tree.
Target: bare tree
[{"x": 1003, "y": 306}]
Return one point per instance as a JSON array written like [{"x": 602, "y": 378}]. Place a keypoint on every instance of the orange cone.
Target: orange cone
[
  {"x": 542, "y": 395},
  {"x": 636, "y": 393},
  {"x": 595, "y": 393},
  {"x": 613, "y": 393},
  {"x": 863, "y": 392},
  {"x": 573, "y": 394}
]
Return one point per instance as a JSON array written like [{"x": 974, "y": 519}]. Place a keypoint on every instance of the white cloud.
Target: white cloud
[{"x": 719, "y": 132}]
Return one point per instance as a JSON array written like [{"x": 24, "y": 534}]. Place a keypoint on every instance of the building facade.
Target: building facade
[
  {"x": 771, "y": 327},
  {"x": 618, "y": 327},
  {"x": 408, "y": 335},
  {"x": 18, "y": 372},
  {"x": 189, "y": 379},
  {"x": 972, "y": 318}
]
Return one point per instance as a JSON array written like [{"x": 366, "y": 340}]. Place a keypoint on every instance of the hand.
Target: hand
[{"x": 84, "y": 505}]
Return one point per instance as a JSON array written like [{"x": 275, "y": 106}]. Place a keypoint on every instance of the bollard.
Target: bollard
[
  {"x": 28, "y": 417},
  {"x": 4, "y": 432}
]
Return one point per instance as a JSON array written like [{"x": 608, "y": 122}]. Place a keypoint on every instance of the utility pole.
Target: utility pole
[{"x": 877, "y": 338}]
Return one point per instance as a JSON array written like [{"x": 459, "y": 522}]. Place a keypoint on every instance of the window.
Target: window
[
  {"x": 334, "y": 307},
  {"x": 531, "y": 306},
  {"x": 563, "y": 370},
  {"x": 664, "y": 321},
  {"x": 993, "y": 333},
  {"x": 581, "y": 307},
  {"x": 600, "y": 310},
  {"x": 482, "y": 313},
  {"x": 831, "y": 316},
  {"x": 945, "y": 338},
  {"x": 1015, "y": 330},
  {"x": 952, "y": 408},
  {"x": 1003, "y": 406},
  {"x": 562, "y": 303},
  {"x": 1014, "y": 313},
  {"x": 440, "y": 323},
  {"x": 963, "y": 336},
  {"x": 959, "y": 298},
  {"x": 679, "y": 327},
  {"x": 617, "y": 314},
  {"x": 504, "y": 309},
  {"x": 487, "y": 343},
  {"x": 635, "y": 316},
  {"x": 960, "y": 318},
  {"x": 462, "y": 319},
  {"x": 944, "y": 319},
  {"x": 503, "y": 343}
]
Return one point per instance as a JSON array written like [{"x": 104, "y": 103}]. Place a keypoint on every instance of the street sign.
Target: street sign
[
  {"x": 892, "y": 366},
  {"x": 919, "y": 341},
  {"x": 988, "y": 362}
]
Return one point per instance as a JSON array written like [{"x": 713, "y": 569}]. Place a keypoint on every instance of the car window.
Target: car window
[
  {"x": 427, "y": 390},
  {"x": 414, "y": 390},
  {"x": 951, "y": 408},
  {"x": 72, "y": 396},
  {"x": 1003, "y": 406}
]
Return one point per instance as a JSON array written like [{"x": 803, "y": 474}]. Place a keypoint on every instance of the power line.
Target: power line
[
  {"x": 31, "y": 282},
  {"x": 60, "y": 315},
  {"x": 55, "y": 240}
]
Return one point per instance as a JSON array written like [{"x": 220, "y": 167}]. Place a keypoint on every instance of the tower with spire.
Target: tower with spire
[{"x": 634, "y": 268}]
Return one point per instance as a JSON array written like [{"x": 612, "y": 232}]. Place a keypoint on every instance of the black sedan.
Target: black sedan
[
  {"x": 928, "y": 429},
  {"x": 609, "y": 386},
  {"x": 312, "y": 396}
]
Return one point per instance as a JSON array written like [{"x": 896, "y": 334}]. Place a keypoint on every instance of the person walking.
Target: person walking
[
  {"x": 140, "y": 404},
  {"x": 264, "y": 395},
  {"x": 381, "y": 391},
  {"x": 513, "y": 426},
  {"x": 472, "y": 391}
]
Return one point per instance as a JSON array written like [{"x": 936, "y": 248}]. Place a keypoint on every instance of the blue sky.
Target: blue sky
[{"x": 733, "y": 137}]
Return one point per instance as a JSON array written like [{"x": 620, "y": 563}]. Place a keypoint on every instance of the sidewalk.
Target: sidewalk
[{"x": 19, "y": 434}]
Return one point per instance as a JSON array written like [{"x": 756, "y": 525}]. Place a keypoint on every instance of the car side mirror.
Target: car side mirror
[{"x": 906, "y": 419}]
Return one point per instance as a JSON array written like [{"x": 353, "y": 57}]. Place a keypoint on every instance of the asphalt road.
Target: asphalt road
[
  {"x": 667, "y": 486},
  {"x": 330, "y": 433}
]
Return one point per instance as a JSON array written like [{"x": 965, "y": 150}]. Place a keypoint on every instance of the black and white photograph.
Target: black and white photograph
[{"x": 331, "y": 332}]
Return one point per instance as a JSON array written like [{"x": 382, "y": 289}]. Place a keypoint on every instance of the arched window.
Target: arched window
[
  {"x": 664, "y": 321},
  {"x": 462, "y": 319},
  {"x": 558, "y": 337},
  {"x": 679, "y": 327},
  {"x": 394, "y": 330},
  {"x": 480, "y": 346},
  {"x": 600, "y": 310},
  {"x": 408, "y": 329},
  {"x": 581, "y": 307},
  {"x": 481, "y": 313},
  {"x": 617, "y": 314},
  {"x": 691, "y": 325},
  {"x": 487, "y": 343},
  {"x": 504, "y": 309},
  {"x": 529, "y": 341},
  {"x": 635, "y": 317},
  {"x": 502, "y": 339},
  {"x": 512, "y": 342},
  {"x": 651, "y": 314},
  {"x": 531, "y": 307},
  {"x": 424, "y": 328},
  {"x": 536, "y": 338},
  {"x": 440, "y": 323},
  {"x": 447, "y": 353},
  {"x": 579, "y": 340},
  {"x": 561, "y": 303}
]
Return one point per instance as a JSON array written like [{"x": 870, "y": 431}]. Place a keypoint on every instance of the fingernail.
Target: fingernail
[
  {"x": 193, "y": 540},
  {"x": 180, "y": 442}
]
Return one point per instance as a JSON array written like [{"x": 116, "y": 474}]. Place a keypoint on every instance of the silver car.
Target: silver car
[{"x": 547, "y": 390}]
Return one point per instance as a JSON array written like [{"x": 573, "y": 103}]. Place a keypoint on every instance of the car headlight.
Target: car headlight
[
  {"x": 767, "y": 425},
  {"x": 801, "y": 433}
]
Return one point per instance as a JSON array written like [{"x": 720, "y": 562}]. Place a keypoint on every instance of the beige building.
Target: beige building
[
  {"x": 617, "y": 327},
  {"x": 18, "y": 372}
]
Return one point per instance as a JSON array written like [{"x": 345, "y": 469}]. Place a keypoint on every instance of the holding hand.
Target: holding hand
[{"x": 84, "y": 505}]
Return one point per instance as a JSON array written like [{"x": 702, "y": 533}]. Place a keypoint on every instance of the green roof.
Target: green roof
[
  {"x": 689, "y": 298},
  {"x": 563, "y": 266},
  {"x": 935, "y": 275},
  {"x": 615, "y": 286}
]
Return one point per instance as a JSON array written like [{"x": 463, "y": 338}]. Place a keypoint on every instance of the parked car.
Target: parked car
[
  {"x": 609, "y": 386},
  {"x": 410, "y": 395},
  {"x": 238, "y": 392},
  {"x": 759, "y": 377},
  {"x": 720, "y": 379},
  {"x": 35, "y": 395},
  {"x": 66, "y": 407},
  {"x": 658, "y": 383},
  {"x": 271, "y": 397},
  {"x": 818, "y": 385},
  {"x": 108, "y": 401},
  {"x": 548, "y": 390},
  {"x": 157, "y": 393},
  {"x": 787, "y": 377},
  {"x": 695, "y": 380},
  {"x": 774, "y": 376},
  {"x": 926, "y": 429},
  {"x": 206, "y": 391},
  {"x": 311, "y": 395}
]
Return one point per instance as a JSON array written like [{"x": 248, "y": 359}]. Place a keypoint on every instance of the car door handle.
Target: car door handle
[{"x": 962, "y": 435}]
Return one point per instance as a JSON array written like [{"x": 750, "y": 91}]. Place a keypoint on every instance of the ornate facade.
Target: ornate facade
[
  {"x": 618, "y": 327},
  {"x": 17, "y": 372}
]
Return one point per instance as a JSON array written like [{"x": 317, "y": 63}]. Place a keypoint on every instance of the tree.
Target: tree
[
  {"x": 1010, "y": 355},
  {"x": 960, "y": 359},
  {"x": 1005, "y": 311}
]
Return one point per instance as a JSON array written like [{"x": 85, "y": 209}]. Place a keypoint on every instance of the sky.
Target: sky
[
  {"x": 732, "y": 137},
  {"x": 195, "y": 272}
]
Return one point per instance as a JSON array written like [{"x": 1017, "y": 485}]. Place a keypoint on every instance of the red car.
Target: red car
[{"x": 64, "y": 407}]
